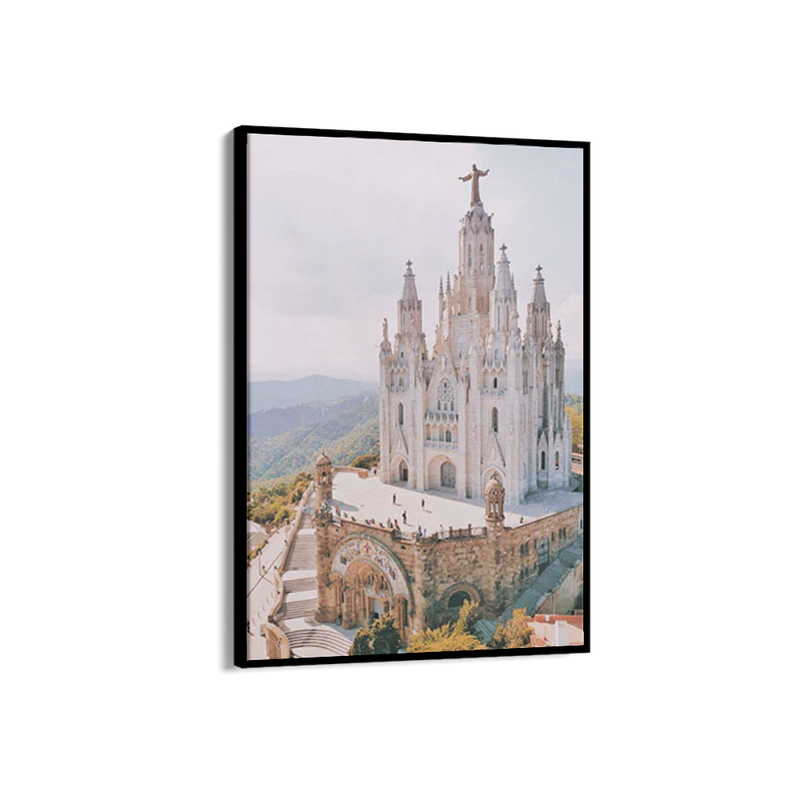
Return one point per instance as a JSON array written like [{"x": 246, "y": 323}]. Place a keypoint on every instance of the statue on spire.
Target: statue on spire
[{"x": 475, "y": 176}]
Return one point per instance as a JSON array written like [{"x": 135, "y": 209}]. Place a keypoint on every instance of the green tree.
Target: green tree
[
  {"x": 385, "y": 636},
  {"x": 514, "y": 634},
  {"x": 362, "y": 643},
  {"x": 456, "y": 636},
  {"x": 366, "y": 462},
  {"x": 442, "y": 639},
  {"x": 467, "y": 617},
  {"x": 380, "y": 638},
  {"x": 577, "y": 426}
]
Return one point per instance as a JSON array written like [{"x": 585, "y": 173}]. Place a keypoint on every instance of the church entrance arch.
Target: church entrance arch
[
  {"x": 448, "y": 475},
  {"x": 400, "y": 470},
  {"x": 442, "y": 474},
  {"x": 373, "y": 583}
]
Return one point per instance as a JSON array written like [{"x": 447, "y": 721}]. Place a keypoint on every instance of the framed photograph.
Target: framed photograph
[{"x": 411, "y": 396}]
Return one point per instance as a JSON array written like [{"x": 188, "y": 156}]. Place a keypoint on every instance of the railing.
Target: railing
[
  {"x": 279, "y": 595},
  {"x": 441, "y": 445},
  {"x": 443, "y": 535}
]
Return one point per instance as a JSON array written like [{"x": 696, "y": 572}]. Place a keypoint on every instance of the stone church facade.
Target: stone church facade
[{"x": 489, "y": 398}]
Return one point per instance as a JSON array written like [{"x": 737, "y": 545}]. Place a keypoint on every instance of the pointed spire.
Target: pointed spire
[
  {"x": 539, "y": 296},
  {"x": 409, "y": 287},
  {"x": 559, "y": 330},
  {"x": 441, "y": 290},
  {"x": 449, "y": 290},
  {"x": 503, "y": 286},
  {"x": 538, "y": 309}
]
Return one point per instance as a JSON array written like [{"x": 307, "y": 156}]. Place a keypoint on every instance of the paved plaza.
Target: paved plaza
[{"x": 368, "y": 498}]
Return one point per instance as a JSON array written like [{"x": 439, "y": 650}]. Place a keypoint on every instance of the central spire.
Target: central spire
[{"x": 410, "y": 296}]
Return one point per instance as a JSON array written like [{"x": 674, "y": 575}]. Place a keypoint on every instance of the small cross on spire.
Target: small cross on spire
[
  {"x": 503, "y": 248},
  {"x": 408, "y": 263}
]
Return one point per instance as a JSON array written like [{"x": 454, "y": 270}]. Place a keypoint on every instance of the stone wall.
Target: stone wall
[{"x": 490, "y": 566}]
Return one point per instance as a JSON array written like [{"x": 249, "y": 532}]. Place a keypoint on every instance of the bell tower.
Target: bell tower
[
  {"x": 324, "y": 479},
  {"x": 494, "y": 495}
]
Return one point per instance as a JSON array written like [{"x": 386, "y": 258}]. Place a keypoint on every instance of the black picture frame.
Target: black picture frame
[{"x": 242, "y": 210}]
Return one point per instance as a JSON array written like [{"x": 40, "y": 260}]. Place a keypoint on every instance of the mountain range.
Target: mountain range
[{"x": 263, "y": 395}]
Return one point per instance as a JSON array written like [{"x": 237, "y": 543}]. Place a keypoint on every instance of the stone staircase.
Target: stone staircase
[
  {"x": 303, "y": 555},
  {"x": 305, "y": 642},
  {"x": 307, "y": 638},
  {"x": 306, "y": 584},
  {"x": 298, "y": 604}
]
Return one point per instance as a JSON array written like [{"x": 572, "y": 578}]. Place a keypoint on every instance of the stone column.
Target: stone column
[{"x": 424, "y": 584}]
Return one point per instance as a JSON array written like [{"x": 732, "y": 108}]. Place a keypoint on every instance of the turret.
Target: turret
[
  {"x": 324, "y": 479},
  {"x": 494, "y": 496},
  {"x": 409, "y": 307},
  {"x": 503, "y": 303},
  {"x": 538, "y": 310}
]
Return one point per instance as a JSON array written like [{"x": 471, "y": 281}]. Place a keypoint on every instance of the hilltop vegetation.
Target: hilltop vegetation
[
  {"x": 272, "y": 504},
  {"x": 574, "y": 407},
  {"x": 346, "y": 431}
]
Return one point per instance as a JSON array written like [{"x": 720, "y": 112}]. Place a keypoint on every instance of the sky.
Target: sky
[{"x": 333, "y": 222}]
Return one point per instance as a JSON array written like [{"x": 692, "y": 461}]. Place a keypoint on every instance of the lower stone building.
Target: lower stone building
[{"x": 366, "y": 567}]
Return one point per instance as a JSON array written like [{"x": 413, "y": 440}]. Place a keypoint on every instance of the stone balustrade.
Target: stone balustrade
[
  {"x": 441, "y": 417},
  {"x": 435, "y": 443}
]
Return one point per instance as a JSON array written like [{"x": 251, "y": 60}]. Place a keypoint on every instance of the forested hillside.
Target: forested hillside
[
  {"x": 346, "y": 431},
  {"x": 275, "y": 421}
]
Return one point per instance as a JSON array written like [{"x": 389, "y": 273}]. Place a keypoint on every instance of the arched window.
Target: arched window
[
  {"x": 495, "y": 383},
  {"x": 457, "y": 599},
  {"x": 400, "y": 414},
  {"x": 544, "y": 460},
  {"x": 495, "y": 420},
  {"x": 556, "y": 459},
  {"x": 448, "y": 437}
]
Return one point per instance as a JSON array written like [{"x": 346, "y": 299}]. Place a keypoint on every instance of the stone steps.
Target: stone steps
[
  {"x": 300, "y": 585},
  {"x": 322, "y": 638},
  {"x": 298, "y": 608},
  {"x": 303, "y": 555}
]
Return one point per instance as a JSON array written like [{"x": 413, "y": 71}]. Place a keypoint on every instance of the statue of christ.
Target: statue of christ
[{"x": 475, "y": 176}]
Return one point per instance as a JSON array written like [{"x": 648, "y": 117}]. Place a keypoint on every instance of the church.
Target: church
[
  {"x": 488, "y": 400},
  {"x": 480, "y": 417}
]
